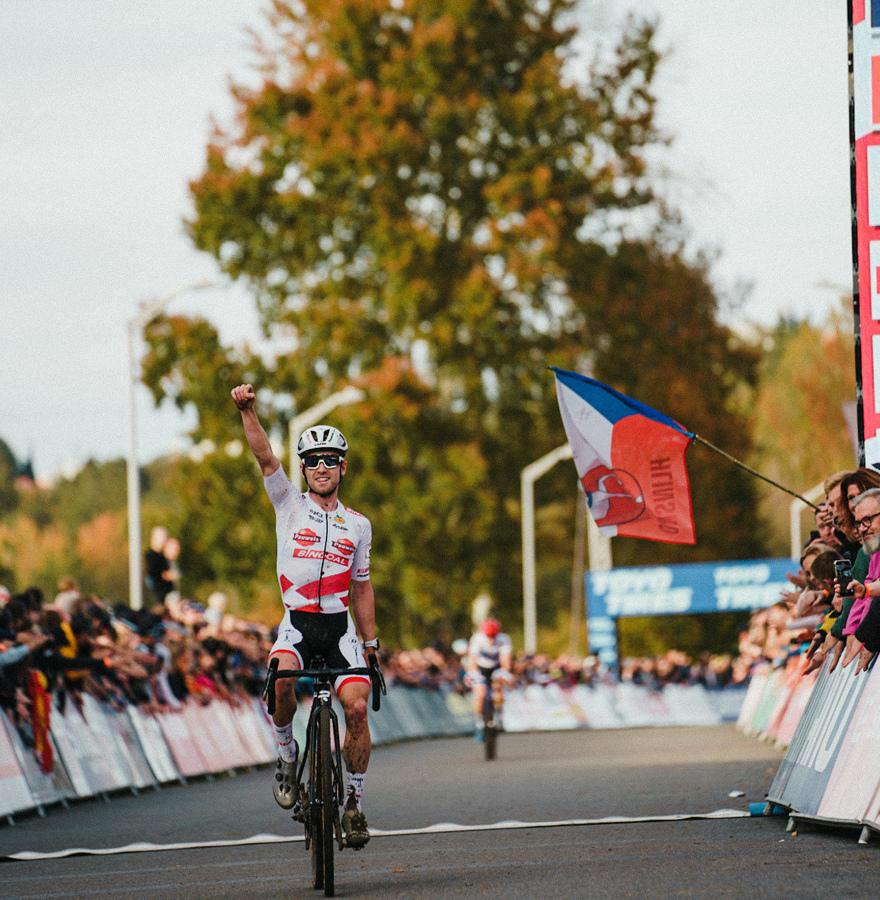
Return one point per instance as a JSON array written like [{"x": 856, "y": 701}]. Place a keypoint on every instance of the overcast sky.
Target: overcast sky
[{"x": 105, "y": 113}]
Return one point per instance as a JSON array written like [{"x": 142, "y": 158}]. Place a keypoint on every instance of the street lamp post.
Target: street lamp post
[
  {"x": 147, "y": 310},
  {"x": 599, "y": 545},
  {"x": 529, "y": 475},
  {"x": 312, "y": 416}
]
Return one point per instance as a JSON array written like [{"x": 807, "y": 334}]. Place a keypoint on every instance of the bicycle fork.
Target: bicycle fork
[{"x": 337, "y": 781}]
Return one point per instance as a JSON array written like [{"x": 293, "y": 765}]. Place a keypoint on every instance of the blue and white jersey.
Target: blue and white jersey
[{"x": 488, "y": 653}]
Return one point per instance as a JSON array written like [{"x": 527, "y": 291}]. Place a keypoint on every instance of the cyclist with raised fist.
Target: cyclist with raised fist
[{"x": 323, "y": 570}]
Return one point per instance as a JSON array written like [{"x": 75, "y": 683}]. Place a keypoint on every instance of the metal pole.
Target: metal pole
[
  {"x": 135, "y": 595},
  {"x": 794, "y": 517},
  {"x": 312, "y": 416},
  {"x": 530, "y": 624},
  {"x": 576, "y": 608},
  {"x": 529, "y": 475},
  {"x": 599, "y": 547},
  {"x": 147, "y": 309}
]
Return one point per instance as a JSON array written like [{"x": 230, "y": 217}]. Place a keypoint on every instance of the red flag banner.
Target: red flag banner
[{"x": 630, "y": 459}]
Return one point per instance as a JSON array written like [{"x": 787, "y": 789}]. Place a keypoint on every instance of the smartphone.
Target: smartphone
[{"x": 843, "y": 574}]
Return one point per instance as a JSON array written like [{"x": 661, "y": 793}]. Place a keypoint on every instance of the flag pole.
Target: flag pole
[{"x": 751, "y": 471}]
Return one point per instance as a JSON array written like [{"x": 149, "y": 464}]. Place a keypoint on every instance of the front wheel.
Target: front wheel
[
  {"x": 328, "y": 798},
  {"x": 314, "y": 832}
]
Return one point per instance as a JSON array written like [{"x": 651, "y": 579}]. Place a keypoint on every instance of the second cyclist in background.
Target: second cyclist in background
[{"x": 490, "y": 656}]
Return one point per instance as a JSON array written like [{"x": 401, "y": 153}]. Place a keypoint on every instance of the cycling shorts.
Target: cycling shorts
[
  {"x": 305, "y": 635},
  {"x": 483, "y": 676}
]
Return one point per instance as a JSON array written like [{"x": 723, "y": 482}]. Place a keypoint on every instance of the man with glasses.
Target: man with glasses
[
  {"x": 866, "y": 513},
  {"x": 323, "y": 569}
]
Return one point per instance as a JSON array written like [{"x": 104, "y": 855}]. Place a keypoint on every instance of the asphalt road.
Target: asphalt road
[{"x": 538, "y": 778}]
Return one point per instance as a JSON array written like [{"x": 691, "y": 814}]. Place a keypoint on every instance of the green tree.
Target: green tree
[
  {"x": 425, "y": 181},
  {"x": 8, "y": 471}
]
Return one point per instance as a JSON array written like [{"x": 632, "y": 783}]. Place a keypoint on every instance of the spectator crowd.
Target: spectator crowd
[
  {"x": 830, "y": 611},
  {"x": 179, "y": 648}
]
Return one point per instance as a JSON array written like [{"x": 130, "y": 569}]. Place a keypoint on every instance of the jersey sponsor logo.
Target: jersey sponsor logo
[
  {"x": 344, "y": 545},
  {"x": 315, "y": 516},
  {"x": 339, "y": 520},
  {"x": 362, "y": 573},
  {"x": 305, "y": 537},
  {"x": 320, "y": 554}
]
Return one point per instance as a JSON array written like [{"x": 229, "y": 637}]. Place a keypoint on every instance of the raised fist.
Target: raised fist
[{"x": 244, "y": 396}]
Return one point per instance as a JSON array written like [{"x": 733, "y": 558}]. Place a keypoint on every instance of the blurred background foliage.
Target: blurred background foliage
[{"x": 434, "y": 200}]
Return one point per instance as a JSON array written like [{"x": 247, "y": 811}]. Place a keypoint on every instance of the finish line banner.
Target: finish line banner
[{"x": 677, "y": 590}]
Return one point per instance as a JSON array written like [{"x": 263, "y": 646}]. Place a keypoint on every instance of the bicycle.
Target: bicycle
[
  {"x": 317, "y": 805},
  {"x": 491, "y": 727}
]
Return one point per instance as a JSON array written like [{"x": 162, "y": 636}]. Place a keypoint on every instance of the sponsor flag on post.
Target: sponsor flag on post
[{"x": 630, "y": 460}]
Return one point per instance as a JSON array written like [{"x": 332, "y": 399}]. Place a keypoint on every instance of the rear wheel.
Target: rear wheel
[
  {"x": 328, "y": 798},
  {"x": 490, "y": 733},
  {"x": 491, "y": 741}
]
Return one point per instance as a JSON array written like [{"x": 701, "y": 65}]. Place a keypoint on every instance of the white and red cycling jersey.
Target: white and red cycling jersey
[{"x": 319, "y": 553}]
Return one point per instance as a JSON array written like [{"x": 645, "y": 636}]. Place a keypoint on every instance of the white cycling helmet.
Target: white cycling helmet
[{"x": 321, "y": 437}]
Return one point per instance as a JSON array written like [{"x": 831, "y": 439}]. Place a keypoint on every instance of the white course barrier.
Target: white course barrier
[
  {"x": 15, "y": 794},
  {"x": 99, "y": 749},
  {"x": 829, "y": 722}
]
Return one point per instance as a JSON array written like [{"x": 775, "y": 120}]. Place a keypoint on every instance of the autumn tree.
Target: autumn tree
[
  {"x": 801, "y": 431},
  {"x": 435, "y": 199}
]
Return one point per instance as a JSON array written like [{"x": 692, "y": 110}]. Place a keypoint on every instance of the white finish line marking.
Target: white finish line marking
[{"x": 439, "y": 828}]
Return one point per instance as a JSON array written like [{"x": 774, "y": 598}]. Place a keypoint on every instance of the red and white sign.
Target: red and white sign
[{"x": 866, "y": 215}]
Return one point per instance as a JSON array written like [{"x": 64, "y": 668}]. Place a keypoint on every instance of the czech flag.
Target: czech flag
[{"x": 630, "y": 460}]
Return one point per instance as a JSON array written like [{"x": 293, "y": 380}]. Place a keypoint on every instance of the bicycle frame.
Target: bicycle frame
[
  {"x": 321, "y": 699},
  {"x": 309, "y": 804}
]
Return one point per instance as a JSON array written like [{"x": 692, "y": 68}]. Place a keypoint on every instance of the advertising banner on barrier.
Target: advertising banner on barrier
[
  {"x": 67, "y": 743},
  {"x": 689, "y": 704},
  {"x": 727, "y": 701},
  {"x": 638, "y": 707},
  {"x": 44, "y": 787},
  {"x": 237, "y": 751},
  {"x": 461, "y": 709},
  {"x": 109, "y": 761},
  {"x": 14, "y": 793},
  {"x": 263, "y": 730},
  {"x": 250, "y": 730},
  {"x": 770, "y": 697},
  {"x": 599, "y": 705},
  {"x": 856, "y": 772},
  {"x": 129, "y": 747},
  {"x": 791, "y": 680},
  {"x": 397, "y": 700},
  {"x": 207, "y": 738},
  {"x": 794, "y": 710},
  {"x": 149, "y": 733},
  {"x": 806, "y": 769},
  {"x": 750, "y": 703},
  {"x": 183, "y": 746}
]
